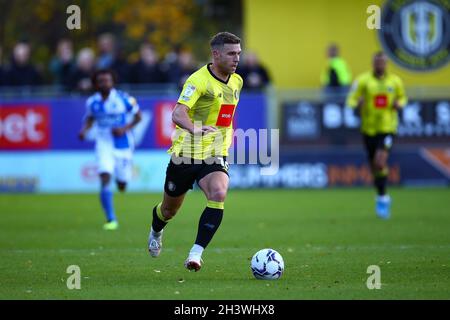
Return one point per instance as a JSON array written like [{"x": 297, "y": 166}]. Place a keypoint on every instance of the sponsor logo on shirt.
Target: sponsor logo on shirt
[
  {"x": 225, "y": 117},
  {"x": 380, "y": 101}
]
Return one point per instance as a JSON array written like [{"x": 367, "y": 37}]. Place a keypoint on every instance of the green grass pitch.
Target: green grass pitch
[{"x": 328, "y": 238}]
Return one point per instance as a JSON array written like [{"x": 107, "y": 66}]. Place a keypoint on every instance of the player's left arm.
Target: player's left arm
[
  {"x": 133, "y": 108},
  {"x": 400, "y": 99}
]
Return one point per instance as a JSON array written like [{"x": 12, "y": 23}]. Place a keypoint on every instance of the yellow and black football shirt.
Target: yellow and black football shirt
[
  {"x": 378, "y": 114},
  {"x": 211, "y": 102}
]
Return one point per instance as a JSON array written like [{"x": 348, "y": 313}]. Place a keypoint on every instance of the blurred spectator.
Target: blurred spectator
[
  {"x": 111, "y": 56},
  {"x": 62, "y": 65},
  {"x": 183, "y": 67},
  {"x": 254, "y": 74},
  {"x": 80, "y": 78},
  {"x": 336, "y": 76},
  {"x": 106, "y": 51},
  {"x": 121, "y": 66},
  {"x": 21, "y": 72},
  {"x": 147, "y": 69},
  {"x": 171, "y": 57}
]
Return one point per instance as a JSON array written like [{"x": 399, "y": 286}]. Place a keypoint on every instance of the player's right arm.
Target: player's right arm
[
  {"x": 88, "y": 120},
  {"x": 355, "y": 99},
  {"x": 88, "y": 123},
  {"x": 193, "y": 89},
  {"x": 181, "y": 118}
]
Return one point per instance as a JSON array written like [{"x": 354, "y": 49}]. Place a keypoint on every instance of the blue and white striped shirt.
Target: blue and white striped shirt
[{"x": 114, "y": 112}]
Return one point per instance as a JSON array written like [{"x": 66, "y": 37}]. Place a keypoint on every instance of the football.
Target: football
[{"x": 267, "y": 264}]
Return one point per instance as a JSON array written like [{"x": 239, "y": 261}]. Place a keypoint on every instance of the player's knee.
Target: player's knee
[
  {"x": 380, "y": 165},
  {"x": 376, "y": 168},
  {"x": 122, "y": 187},
  {"x": 105, "y": 179},
  {"x": 168, "y": 213},
  {"x": 218, "y": 194}
]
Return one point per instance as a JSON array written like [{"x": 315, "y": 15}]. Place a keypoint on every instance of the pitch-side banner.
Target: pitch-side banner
[
  {"x": 326, "y": 168},
  {"x": 53, "y": 124},
  {"x": 311, "y": 123},
  {"x": 76, "y": 171}
]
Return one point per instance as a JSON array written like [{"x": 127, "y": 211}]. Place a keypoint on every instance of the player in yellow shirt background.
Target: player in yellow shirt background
[
  {"x": 204, "y": 128},
  {"x": 378, "y": 95}
]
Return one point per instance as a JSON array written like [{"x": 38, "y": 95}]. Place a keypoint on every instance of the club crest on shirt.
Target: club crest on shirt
[{"x": 132, "y": 101}]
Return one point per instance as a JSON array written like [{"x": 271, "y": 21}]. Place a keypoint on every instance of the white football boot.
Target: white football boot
[
  {"x": 193, "y": 261},
  {"x": 155, "y": 243}
]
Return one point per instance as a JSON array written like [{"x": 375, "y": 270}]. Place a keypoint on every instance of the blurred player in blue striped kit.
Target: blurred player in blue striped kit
[{"x": 114, "y": 113}]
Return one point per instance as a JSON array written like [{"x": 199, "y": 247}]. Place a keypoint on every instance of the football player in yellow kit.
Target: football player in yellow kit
[
  {"x": 378, "y": 95},
  {"x": 204, "y": 129}
]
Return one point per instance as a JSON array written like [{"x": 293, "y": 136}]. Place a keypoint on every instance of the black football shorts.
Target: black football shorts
[
  {"x": 382, "y": 141},
  {"x": 182, "y": 172}
]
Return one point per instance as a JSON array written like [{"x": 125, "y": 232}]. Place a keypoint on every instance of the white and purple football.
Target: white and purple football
[{"x": 267, "y": 264}]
